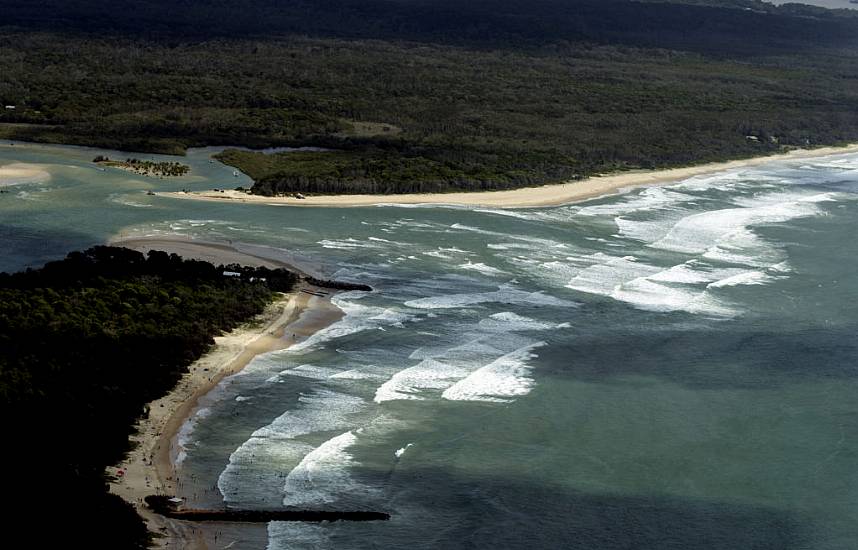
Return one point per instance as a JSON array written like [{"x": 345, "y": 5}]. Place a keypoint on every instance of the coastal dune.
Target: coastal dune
[{"x": 546, "y": 195}]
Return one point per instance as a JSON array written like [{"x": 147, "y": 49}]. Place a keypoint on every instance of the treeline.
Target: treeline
[
  {"x": 395, "y": 171},
  {"x": 469, "y": 119},
  {"x": 711, "y": 27},
  {"x": 475, "y": 114},
  {"x": 86, "y": 342},
  {"x": 145, "y": 167}
]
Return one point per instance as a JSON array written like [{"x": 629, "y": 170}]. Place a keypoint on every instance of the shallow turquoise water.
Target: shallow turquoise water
[{"x": 670, "y": 368}]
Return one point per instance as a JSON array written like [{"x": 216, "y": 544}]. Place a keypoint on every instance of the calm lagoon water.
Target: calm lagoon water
[{"x": 673, "y": 367}]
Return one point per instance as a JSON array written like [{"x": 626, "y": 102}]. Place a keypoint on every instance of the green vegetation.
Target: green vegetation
[
  {"x": 146, "y": 167},
  {"x": 418, "y": 96},
  {"x": 86, "y": 342},
  {"x": 373, "y": 170}
]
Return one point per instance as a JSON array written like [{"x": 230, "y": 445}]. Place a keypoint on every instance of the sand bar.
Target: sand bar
[
  {"x": 150, "y": 467},
  {"x": 220, "y": 252},
  {"x": 18, "y": 173},
  {"x": 546, "y": 195}
]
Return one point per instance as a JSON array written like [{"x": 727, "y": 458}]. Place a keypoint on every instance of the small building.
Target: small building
[
  {"x": 10, "y": 107},
  {"x": 231, "y": 274}
]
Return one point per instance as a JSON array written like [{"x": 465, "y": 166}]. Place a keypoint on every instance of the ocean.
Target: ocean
[{"x": 671, "y": 367}]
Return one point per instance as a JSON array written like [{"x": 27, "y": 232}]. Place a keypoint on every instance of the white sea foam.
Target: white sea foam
[
  {"x": 358, "y": 318},
  {"x": 255, "y": 473},
  {"x": 645, "y": 231},
  {"x": 322, "y": 410},
  {"x": 505, "y": 294},
  {"x": 519, "y": 214},
  {"x": 126, "y": 200},
  {"x": 185, "y": 437},
  {"x": 468, "y": 347},
  {"x": 391, "y": 317},
  {"x": 401, "y": 451},
  {"x": 311, "y": 371},
  {"x": 744, "y": 278},
  {"x": 471, "y": 349},
  {"x": 322, "y": 475},
  {"x": 545, "y": 243},
  {"x": 438, "y": 254},
  {"x": 509, "y": 321},
  {"x": 648, "y": 198},
  {"x": 482, "y": 268},
  {"x": 780, "y": 267},
  {"x": 608, "y": 273},
  {"x": 731, "y": 179},
  {"x": 387, "y": 241},
  {"x": 687, "y": 273},
  {"x": 725, "y": 234},
  {"x": 644, "y": 293},
  {"x": 369, "y": 372},
  {"x": 348, "y": 244},
  {"x": 458, "y": 356},
  {"x": 682, "y": 287},
  {"x": 412, "y": 382},
  {"x": 271, "y": 451},
  {"x": 293, "y": 535},
  {"x": 499, "y": 381}
]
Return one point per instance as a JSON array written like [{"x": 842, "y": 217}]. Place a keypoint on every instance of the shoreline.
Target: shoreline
[
  {"x": 150, "y": 467},
  {"x": 221, "y": 252},
  {"x": 527, "y": 197}
]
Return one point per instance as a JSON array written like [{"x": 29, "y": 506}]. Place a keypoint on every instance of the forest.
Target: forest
[
  {"x": 432, "y": 95},
  {"x": 88, "y": 341}
]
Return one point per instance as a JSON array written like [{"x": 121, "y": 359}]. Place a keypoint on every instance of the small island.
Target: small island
[{"x": 145, "y": 167}]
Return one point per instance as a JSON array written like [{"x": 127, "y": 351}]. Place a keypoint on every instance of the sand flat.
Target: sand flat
[{"x": 18, "y": 173}]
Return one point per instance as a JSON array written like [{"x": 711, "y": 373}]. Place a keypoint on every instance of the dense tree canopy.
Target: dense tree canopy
[
  {"x": 86, "y": 342},
  {"x": 431, "y": 95}
]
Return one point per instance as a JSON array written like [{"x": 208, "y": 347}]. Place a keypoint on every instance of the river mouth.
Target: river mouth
[{"x": 672, "y": 364}]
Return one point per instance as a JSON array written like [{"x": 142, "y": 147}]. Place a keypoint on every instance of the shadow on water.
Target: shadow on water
[
  {"x": 22, "y": 247},
  {"x": 497, "y": 514},
  {"x": 738, "y": 358}
]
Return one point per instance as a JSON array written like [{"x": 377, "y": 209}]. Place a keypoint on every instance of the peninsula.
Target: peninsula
[
  {"x": 546, "y": 195},
  {"x": 100, "y": 338}
]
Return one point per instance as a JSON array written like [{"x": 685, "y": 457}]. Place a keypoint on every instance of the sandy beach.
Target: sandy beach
[
  {"x": 212, "y": 252},
  {"x": 546, "y": 195},
  {"x": 150, "y": 467},
  {"x": 18, "y": 173}
]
